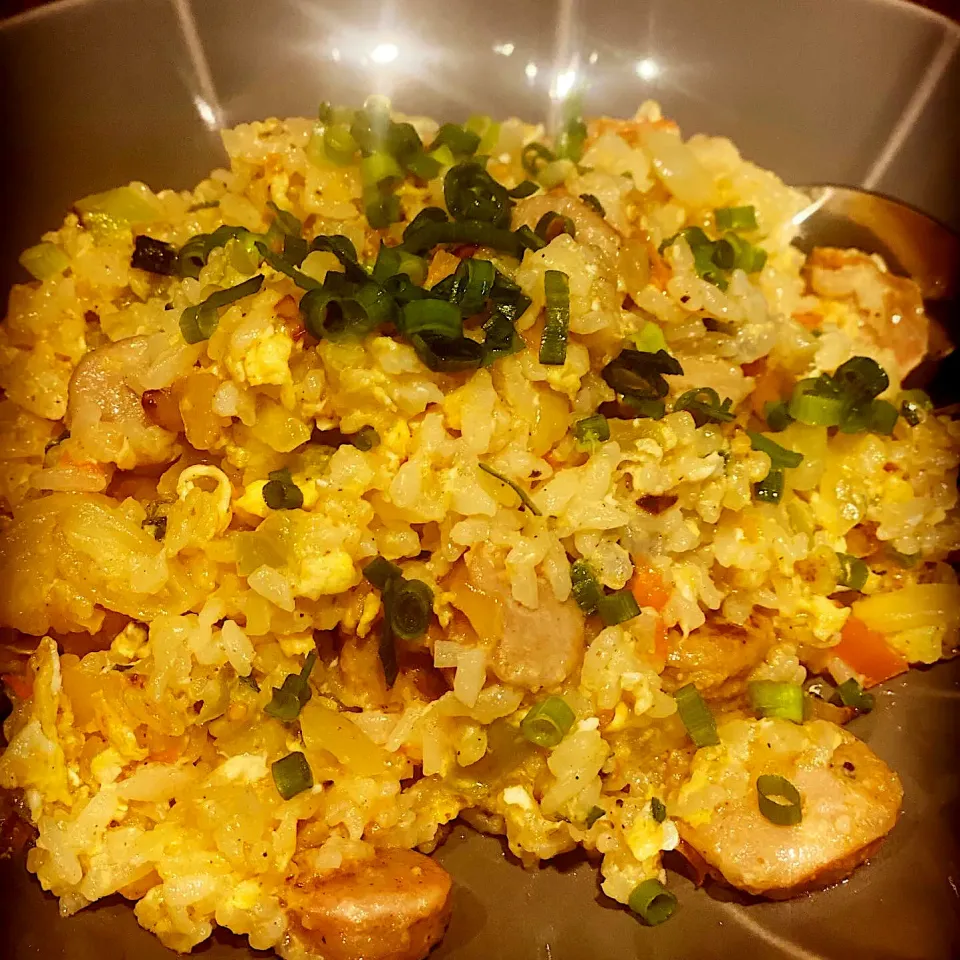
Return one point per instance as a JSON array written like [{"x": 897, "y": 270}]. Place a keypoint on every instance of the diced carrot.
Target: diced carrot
[
  {"x": 867, "y": 652},
  {"x": 812, "y": 321},
  {"x": 167, "y": 755},
  {"x": 648, "y": 587},
  {"x": 20, "y": 685},
  {"x": 441, "y": 266}
]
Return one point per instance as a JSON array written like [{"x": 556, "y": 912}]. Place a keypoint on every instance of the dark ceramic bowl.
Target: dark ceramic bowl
[{"x": 94, "y": 93}]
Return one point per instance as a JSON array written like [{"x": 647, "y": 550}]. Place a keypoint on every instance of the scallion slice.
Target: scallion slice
[
  {"x": 736, "y": 218},
  {"x": 704, "y": 404},
  {"x": 438, "y": 317},
  {"x": 281, "y": 493},
  {"x": 652, "y": 902},
  {"x": 617, "y": 607},
  {"x": 779, "y": 800},
  {"x": 553, "y": 343},
  {"x": 552, "y": 224},
  {"x": 365, "y": 439},
  {"x": 777, "y": 415},
  {"x": 658, "y": 809},
  {"x": 500, "y": 338},
  {"x": 534, "y": 157},
  {"x": 292, "y": 775},
  {"x": 771, "y": 698},
  {"x": 198, "y": 323},
  {"x": 547, "y": 722},
  {"x": 861, "y": 378},
  {"x": 339, "y": 144},
  {"x": 408, "y": 605},
  {"x": 591, "y": 430},
  {"x": 770, "y": 489},
  {"x": 526, "y": 188},
  {"x": 427, "y": 236},
  {"x": 853, "y": 572},
  {"x": 593, "y": 203},
  {"x": 472, "y": 194},
  {"x": 290, "y": 697},
  {"x": 525, "y": 500},
  {"x": 650, "y": 339},
  {"x": 593, "y": 815},
  {"x": 154, "y": 256},
  {"x": 696, "y": 716},
  {"x": 472, "y": 284},
  {"x": 585, "y": 587},
  {"x": 640, "y": 375},
  {"x": 462, "y": 142},
  {"x": 448, "y": 354},
  {"x": 780, "y": 457},
  {"x": 529, "y": 239},
  {"x": 851, "y": 694},
  {"x": 379, "y": 570},
  {"x": 816, "y": 403}
]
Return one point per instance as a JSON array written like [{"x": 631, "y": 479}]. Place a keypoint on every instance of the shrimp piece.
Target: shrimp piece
[
  {"x": 592, "y": 229},
  {"x": 105, "y": 413},
  {"x": 850, "y": 802},
  {"x": 532, "y": 648},
  {"x": 889, "y": 309},
  {"x": 394, "y": 906}
]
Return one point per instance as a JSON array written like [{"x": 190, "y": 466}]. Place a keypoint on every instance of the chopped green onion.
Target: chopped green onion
[
  {"x": 593, "y": 203},
  {"x": 593, "y": 815},
  {"x": 571, "y": 139},
  {"x": 284, "y": 266},
  {"x": 447, "y": 354},
  {"x": 853, "y": 572},
  {"x": 286, "y": 221},
  {"x": 509, "y": 298},
  {"x": 293, "y": 694},
  {"x": 379, "y": 570},
  {"x": 343, "y": 249},
  {"x": 553, "y": 343},
  {"x": 378, "y": 167},
  {"x": 652, "y": 902},
  {"x": 472, "y": 194},
  {"x": 883, "y": 417},
  {"x": 486, "y": 128},
  {"x": 196, "y": 251},
  {"x": 780, "y": 457},
  {"x": 770, "y": 698},
  {"x": 339, "y": 144},
  {"x": 119, "y": 207},
  {"x": 861, "y": 378},
  {"x": 736, "y": 218},
  {"x": 462, "y": 142},
  {"x": 640, "y": 375},
  {"x": 777, "y": 415},
  {"x": 617, "y": 607},
  {"x": 553, "y": 174},
  {"x": 471, "y": 285},
  {"x": 552, "y": 224},
  {"x": 534, "y": 157},
  {"x": 519, "y": 491},
  {"x": 646, "y": 409},
  {"x": 733, "y": 252},
  {"x": 779, "y": 800},
  {"x": 392, "y": 261},
  {"x": 703, "y": 403},
  {"x": 292, "y": 775},
  {"x": 408, "y": 605},
  {"x": 154, "y": 256},
  {"x": 501, "y": 337},
  {"x": 914, "y": 404},
  {"x": 650, "y": 339},
  {"x": 770, "y": 489},
  {"x": 426, "y": 166},
  {"x": 526, "y": 188},
  {"x": 696, "y": 716},
  {"x": 46, "y": 260},
  {"x": 591, "y": 430},
  {"x": 529, "y": 239},
  {"x": 366, "y": 438},
  {"x": 657, "y": 809},
  {"x": 585, "y": 587},
  {"x": 547, "y": 722},
  {"x": 281, "y": 493},
  {"x": 851, "y": 694},
  {"x": 427, "y": 236},
  {"x": 198, "y": 323},
  {"x": 816, "y": 403},
  {"x": 437, "y": 317}
]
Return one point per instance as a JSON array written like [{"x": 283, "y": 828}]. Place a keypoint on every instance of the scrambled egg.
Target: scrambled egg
[
  {"x": 327, "y": 575},
  {"x": 264, "y": 361}
]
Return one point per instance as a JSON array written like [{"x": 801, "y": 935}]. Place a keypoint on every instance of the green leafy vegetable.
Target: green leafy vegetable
[{"x": 547, "y": 722}]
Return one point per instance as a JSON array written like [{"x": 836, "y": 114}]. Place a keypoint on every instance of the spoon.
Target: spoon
[{"x": 912, "y": 245}]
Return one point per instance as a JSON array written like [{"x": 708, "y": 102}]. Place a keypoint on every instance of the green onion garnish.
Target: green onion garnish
[
  {"x": 650, "y": 339},
  {"x": 519, "y": 491},
  {"x": 286, "y": 221},
  {"x": 617, "y": 607},
  {"x": 736, "y": 218},
  {"x": 380, "y": 570},
  {"x": 906, "y": 560},
  {"x": 343, "y": 249},
  {"x": 290, "y": 697},
  {"x": 339, "y": 144},
  {"x": 526, "y": 188},
  {"x": 195, "y": 252},
  {"x": 770, "y": 489},
  {"x": 366, "y": 438},
  {"x": 340, "y": 311},
  {"x": 462, "y": 143},
  {"x": 657, "y": 809},
  {"x": 593, "y": 815},
  {"x": 593, "y": 203},
  {"x": 501, "y": 338},
  {"x": 280, "y": 492},
  {"x": 199, "y": 322},
  {"x": 770, "y": 698},
  {"x": 816, "y": 403},
  {"x": 780, "y": 457},
  {"x": 861, "y": 378},
  {"x": 427, "y": 236},
  {"x": 285, "y": 265},
  {"x": 777, "y": 415},
  {"x": 407, "y": 607},
  {"x": 392, "y": 261},
  {"x": 571, "y": 139},
  {"x": 552, "y": 224},
  {"x": 779, "y": 800},
  {"x": 45, "y": 260},
  {"x": 705, "y": 406},
  {"x": 472, "y": 284},
  {"x": 292, "y": 775},
  {"x": 553, "y": 343},
  {"x": 529, "y": 239},
  {"x": 696, "y": 716},
  {"x": 486, "y": 128},
  {"x": 431, "y": 316},
  {"x": 585, "y": 587},
  {"x": 472, "y": 194},
  {"x": 448, "y": 354},
  {"x": 640, "y": 375},
  {"x": 154, "y": 256},
  {"x": 853, "y": 572},
  {"x": 914, "y": 404},
  {"x": 534, "y": 157},
  {"x": 851, "y": 694},
  {"x": 591, "y": 430},
  {"x": 547, "y": 722},
  {"x": 652, "y": 902}
]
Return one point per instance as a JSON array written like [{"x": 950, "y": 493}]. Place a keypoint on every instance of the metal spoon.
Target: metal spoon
[{"x": 912, "y": 245}]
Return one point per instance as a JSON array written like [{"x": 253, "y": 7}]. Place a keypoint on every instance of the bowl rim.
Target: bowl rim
[{"x": 948, "y": 25}]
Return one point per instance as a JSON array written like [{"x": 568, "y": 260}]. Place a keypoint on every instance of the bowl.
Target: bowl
[{"x": 862, "y": 92}]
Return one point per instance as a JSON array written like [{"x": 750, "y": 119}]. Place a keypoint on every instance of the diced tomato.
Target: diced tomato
[
  {"x": 867, "y": 652},
  {"x": 648, "y": 587},
  {"x": 20, "y": 685}
]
